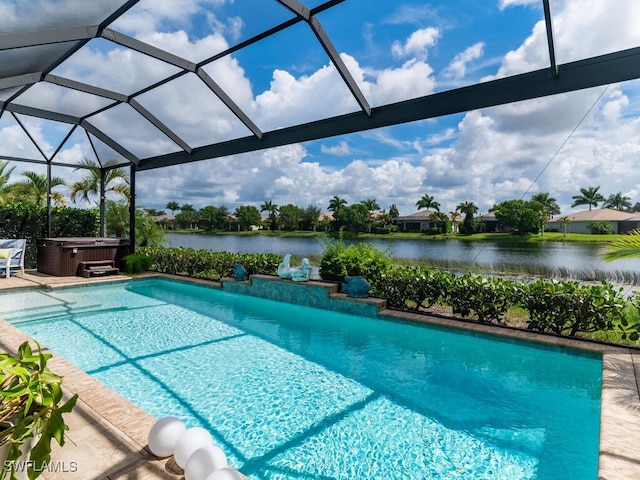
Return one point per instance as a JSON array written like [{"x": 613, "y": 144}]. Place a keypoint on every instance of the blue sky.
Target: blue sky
[{"x": 394, "y": 50}]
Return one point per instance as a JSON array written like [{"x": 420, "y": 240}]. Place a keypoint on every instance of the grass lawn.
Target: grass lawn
[{"x": 477, "y": 237}]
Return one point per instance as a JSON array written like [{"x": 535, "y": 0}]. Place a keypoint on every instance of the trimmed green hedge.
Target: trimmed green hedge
[
  {"x": 208, "y": 264},
  {"x": 30, "y": 222}
]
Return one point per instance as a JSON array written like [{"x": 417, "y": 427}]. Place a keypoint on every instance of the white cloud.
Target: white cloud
[
  {"x": 489, "y": 156},
  {"x": 341, "y": 149},
  {"x": 510, "y": 3},
  {"x": 418, "y": 44},
  {"x": 457, "y": 69}
]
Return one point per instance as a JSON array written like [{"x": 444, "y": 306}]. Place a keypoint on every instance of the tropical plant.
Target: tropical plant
[
  {"x": 624, "y": 246},
  {"x": 115, "y": 180},
  {"x": 588, "y": 196},
  {"x": 568, "y": 308},
  {"x": 617, "y": 201},
  {"x": 247, "y": 215},
  {"x": 272, "y": 210},
  {"x": 188, "y": 216},
  {"x": 31, "y": 409},
  {"x": 522, "y": 215},
  {"x": 468, "y": 209},
  {"x": 600, "y": 228},
  {"x": 548, "y": 208},
  {"x": 371, "y": 205},
  {"x": 173, "y": 207},
  {"x": 454, "y": 220},
  {"x": 137, "y": 263},
  {"x": 427, "y": 201},
  {"x": 290, "y": 217},
  {"x": 354, "y": 217},
  {"x": 5, "y": 187},
  {"x": 311, "y": 217},
  {"x": 117, "y": 217},
  {"x": 33, "y": 190},
  {"x": 360, "y": 259},
  {"x": 564, "y": 221},
  {"x": 147, "y": 230},
  {"x": 336, "y": 204}
]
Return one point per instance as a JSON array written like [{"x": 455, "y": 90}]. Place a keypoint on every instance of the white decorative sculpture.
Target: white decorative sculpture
[
  {"x": 190, "y": 440},
  {"x": 163, "y": 436},
  {"x": 297, "y": 274},
  {"x": 204, "y": 461}
]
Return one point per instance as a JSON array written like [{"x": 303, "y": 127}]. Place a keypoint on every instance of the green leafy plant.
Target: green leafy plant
[
  {"x": 568, "y": 308},
  {"x": 137, "y": 263},
  {"x": 486, "y": 298},
  {"x": 31, "y": 408},
  {"x": 412, "y": 287},
  {"x": 360, "y": 259}
]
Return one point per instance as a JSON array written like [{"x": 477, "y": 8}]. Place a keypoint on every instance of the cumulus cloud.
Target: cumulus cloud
[
  {"x": 341, "y": 149},
  {"x": 418, "y": 43},
  {"x": 457, "y": 69}
]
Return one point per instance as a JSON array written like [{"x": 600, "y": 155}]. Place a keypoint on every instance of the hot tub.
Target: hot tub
[{"x": 62, "y": 256}]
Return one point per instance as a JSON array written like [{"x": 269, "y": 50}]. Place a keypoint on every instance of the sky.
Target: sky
[{"x": 395, "y": 50}]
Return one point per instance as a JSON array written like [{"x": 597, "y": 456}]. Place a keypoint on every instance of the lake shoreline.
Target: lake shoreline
[{"x": 476, "y": 237}]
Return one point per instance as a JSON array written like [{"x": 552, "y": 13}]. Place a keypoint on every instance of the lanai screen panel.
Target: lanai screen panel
[{"x": 259, "y": 65}]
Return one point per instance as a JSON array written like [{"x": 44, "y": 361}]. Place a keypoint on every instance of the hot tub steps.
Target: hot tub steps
[{"x": 96, "y": 268}]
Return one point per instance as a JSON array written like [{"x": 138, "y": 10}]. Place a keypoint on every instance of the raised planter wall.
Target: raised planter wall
[{"x": 309, "y": 294}]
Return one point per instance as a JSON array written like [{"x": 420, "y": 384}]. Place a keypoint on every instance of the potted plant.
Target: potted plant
[{"x": 31, "y": 411}]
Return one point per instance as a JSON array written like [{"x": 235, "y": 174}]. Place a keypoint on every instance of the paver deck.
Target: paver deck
[{"x": 107, "y": 438}]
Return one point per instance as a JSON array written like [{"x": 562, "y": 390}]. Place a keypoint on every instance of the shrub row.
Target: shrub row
[
  {"x": 558, "y": 307},
  {"x": 31, "y": 223},
  {"x": 207, "y": 264}
]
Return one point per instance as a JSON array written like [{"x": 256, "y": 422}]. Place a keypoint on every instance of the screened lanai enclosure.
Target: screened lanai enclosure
[{"x": 157, "y": 83}]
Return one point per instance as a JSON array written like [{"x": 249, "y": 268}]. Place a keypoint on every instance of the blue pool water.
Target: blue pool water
[{"x": 290, "y": 392}]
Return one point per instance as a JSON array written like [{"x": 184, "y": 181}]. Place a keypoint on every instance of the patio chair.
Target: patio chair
[{"x": 12, "y": 255}]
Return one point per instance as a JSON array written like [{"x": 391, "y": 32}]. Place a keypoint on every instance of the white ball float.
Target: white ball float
[
  {"x": 204, "y": 461},
  {"x": 224, "y": 474},
  {"x": 164, "y": 435},
  {"x": 190, "y": 440}
]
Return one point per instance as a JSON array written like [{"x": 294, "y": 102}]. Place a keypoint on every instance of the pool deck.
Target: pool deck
[{"x": 107, "y": 438}]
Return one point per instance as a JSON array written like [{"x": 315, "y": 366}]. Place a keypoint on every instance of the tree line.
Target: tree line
[{"x": 525, "y": 216}]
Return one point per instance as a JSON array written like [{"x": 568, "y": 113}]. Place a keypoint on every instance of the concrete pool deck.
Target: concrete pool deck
[{"x": 107, "y": 438}]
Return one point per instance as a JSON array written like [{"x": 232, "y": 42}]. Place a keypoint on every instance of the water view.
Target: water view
[{"x": 569, "y": 256}]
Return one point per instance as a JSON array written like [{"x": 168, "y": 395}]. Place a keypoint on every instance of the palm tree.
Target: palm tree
[
  {"x": 469, "y": 209},
  {"x": 564, "y": 221},
  {"x": 335, "y": 205},
  {"x": 428, "y": 202},
  {"x": 115, "y": 180},
  {"x": 588, "y": 196},
  {"x": 548, "y": 208},
  {"x": 617, "y": 201},
  {"x": 454, "y": 219},
  {"x": 5, "y": 188},
  {"x": 173, "y": 207},
  {"x": 371, "y": 205},
  {"x": 272, "y": 209},
  {"x": 33, "y": 190}
]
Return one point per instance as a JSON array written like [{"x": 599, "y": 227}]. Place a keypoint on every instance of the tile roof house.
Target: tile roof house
[
  {"x": 419, "y": 221},
  {"x": 579, "y": 222}
]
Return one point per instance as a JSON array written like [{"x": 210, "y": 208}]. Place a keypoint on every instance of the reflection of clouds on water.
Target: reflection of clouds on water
[{"x": 571, "y": 256}]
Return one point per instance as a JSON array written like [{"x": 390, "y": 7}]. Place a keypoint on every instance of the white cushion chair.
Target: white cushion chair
[{"x": 12, "y": 255}]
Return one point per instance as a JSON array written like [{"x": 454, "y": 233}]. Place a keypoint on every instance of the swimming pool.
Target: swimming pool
[{"x": 294, "y": 392}]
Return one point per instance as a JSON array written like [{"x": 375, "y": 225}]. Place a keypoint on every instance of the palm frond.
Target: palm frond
[{"x": 627, "y": 246}]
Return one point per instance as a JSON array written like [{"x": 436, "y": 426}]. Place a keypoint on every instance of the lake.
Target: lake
[{"x": 572, "y": 256}]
